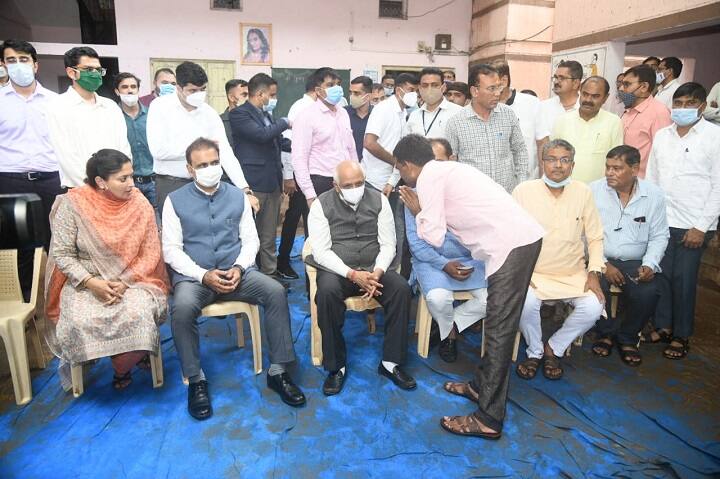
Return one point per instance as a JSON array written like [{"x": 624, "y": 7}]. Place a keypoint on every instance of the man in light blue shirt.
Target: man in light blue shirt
[{"x": 635, "y": 237}]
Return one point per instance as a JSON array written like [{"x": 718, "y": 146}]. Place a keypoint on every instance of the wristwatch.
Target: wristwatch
[{"x": 242, "y": 270}]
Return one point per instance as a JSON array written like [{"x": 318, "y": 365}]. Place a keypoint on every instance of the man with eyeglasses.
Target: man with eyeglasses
[
  {"x": 566, "y": 210},
  {"x": 566, "y": 87},
  {"x": 486, "y": 134},
  {"x": 635, "y": 236},
  {"x": 644, "y": 115},
  {"x": 82, "y": 122}
]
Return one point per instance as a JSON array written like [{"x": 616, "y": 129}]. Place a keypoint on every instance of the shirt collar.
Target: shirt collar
[
  {"x": 77, "y": 99},
  {"x": 143, "y": 111},
  {"x": 443, "y": 106},
  {"x": 669, "y": 85},
  {"x": 470, "y": 112},
  {"x": 696, "y": 128},
  {"x": 39, "y": 90},
  {"x": 643, "y": 105},
  {"x": 640, "y": 191}
]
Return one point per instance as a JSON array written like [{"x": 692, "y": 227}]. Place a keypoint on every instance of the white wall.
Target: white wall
[{"x": 306, "y": 34}]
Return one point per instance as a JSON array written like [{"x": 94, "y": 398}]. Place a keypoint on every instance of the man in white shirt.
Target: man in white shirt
[
  {"x": 209, "y": 212},
  {"x": 80, "y": 121},
  {"x": 684, "y": 163},
  {"x": 667, "y": 79},
  {"x": 429, "y": 120},
  {"x": 353, "y": 243},
  {"x": 527, "y": 109},
  {"x": 566, "y": 87},
  {"x": 174, "y": 121},
  {"x": 712, "y": 111}
]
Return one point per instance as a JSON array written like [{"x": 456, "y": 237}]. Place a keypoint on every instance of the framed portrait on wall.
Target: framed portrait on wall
[{"x": 255, "y": 44}]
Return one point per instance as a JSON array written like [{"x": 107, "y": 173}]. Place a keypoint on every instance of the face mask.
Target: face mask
[
  {"x": 358, "y": 101},
  {"x": 166, "y": 89},
  {"x": 410, "y": 99},
  {"x": 431, "y": 95},
  {"x": 196, "y": 99},
  {"x": 333, "y": 94},
  {"x": 270, "y": 105},
  {"x": 628, "y": 99},
  {"x": 209, "y": 177},
  {"x": 684, "y": 116},
  {"x": 659, "y": 77},
  {"x": 556, "y": 184},
  {"x": 388, "y": 90},
  {"x": 3, "y": 72},
  {"x": 353, "y": 195},
  {"x": 129, "y": 100},
  {"x": 89, "y": 81},
  {"x": 21, "y": 74}
]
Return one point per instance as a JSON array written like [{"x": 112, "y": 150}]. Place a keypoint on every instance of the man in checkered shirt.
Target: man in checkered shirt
[{"x": 486, "y": 134}]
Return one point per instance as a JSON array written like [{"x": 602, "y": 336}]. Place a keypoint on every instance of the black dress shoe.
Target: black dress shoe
[
  {"x": 199, "y": 405},
  {"x": 448, "y": 350},
  {"x": 333, "y": 383},
  {"x": 286, "y": 389},
  {"x": 401, "y": 379},
  {"x": 286, "y": 272}
]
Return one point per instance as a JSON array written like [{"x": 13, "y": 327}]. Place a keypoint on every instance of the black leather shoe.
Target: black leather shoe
[
  {"x": 401, "y": 379},
  {"x": 286, "y": 389},
  {"x": 286, "y": 272},
  {"x": 448, "y": 350},
  {"x": 199, "y": 405},
  {"x": 333, "y": 383}
]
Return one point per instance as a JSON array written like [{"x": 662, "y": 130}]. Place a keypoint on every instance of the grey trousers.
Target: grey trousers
[
  {"x": 164, "y": 185},
  {"x": 267, "y": 221},
  {"x": 507, "y": 288},
  {"x": 190, "y": 297}
]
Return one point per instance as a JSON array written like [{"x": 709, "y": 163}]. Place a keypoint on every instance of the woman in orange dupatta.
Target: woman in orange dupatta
[{"x": 106, "y": 282}]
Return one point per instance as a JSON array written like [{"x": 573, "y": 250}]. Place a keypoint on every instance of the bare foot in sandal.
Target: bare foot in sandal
[
  {"x": 528, "y": 368},
  {"x": 552, "y": 369},
  {"x": 468, "y": 426},
  {"x": 461, "y": 389}
]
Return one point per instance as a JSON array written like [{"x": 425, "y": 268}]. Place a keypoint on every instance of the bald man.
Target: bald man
[{"x": 353, "y": 243}]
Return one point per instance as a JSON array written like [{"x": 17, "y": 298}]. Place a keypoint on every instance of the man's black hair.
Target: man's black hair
[
  {"x": 124, "y": 76},
  {"x": 480, "y": 69},
  {"x": 260, "y": 81},
  {"x": 163, "y": 70},
  {"x": 674, "y": 64},
  {"x": 405, "y": 78},
  {"x": 431, "y": 71},
  {"x": 627, "y": 153},
  {"x": 230, "y": 84},
  {"x": 693, "y": 90},
  {"x": 415, "y": 149},
  {"x": 365, "y": 81},
  {"x": 72, "y": 56},
  {"x": 20, "y": 46},
  {"x": 190, "y": 73},
  {"x": 644, "y": 73}
]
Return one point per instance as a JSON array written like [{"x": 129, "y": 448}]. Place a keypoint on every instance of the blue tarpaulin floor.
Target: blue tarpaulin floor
[{"x": 603, "y": 419}]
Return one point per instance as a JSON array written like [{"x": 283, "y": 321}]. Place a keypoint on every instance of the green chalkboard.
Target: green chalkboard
[{"x": 291, "y": 86}]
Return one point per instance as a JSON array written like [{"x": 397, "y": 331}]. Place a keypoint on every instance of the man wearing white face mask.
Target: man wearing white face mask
[
  {"x": 210, "y": 212},
  {"x": 359, "y": 109},
  {"x": 127, "y": 86},
  {"x": 429, "y": 120},
  {"x": 353, "y": 244},
  {"x": 174, "y": 121}
]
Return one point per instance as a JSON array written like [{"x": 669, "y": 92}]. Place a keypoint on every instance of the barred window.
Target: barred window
[{"x": 393, "y": 9}]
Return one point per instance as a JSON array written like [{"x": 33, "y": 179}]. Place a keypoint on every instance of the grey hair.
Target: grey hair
[
  {"x": 336, "y": 174},
  {"x": 558, "y": 143}
]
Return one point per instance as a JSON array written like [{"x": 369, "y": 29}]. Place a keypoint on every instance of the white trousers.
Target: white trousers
[
  {"x": 440, "y": 305},
  {"x": 587, "y": 310}
]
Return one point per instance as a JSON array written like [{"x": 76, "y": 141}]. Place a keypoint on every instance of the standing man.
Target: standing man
[
  {"x": 236, "y": 92},
  {"x": 487, "y": 134},
  {"x": 684, "y": 163},
  {"x": 458, "y": 92},
  {"x": 258, "y": 142},
  {"x": 667, "y": 76},
  {"x": 430, "y": 119},
  {"x": 448, "y": 76},
  {"x": 378, "y": 94},
  {"x": 388, "y": 83},
  {"x": 322, "y": 138},
  {"x": 591, "y": 130},
  {"x": 566, "y": 85},
  {"x": 359, "y": 109},
  {"x": 29, "y": 164},
  {"x": 487, "y": 221},
  {"x": 615, "y": 104},
  {"x": 384, "y": 129},
  {"x": 527, "y": 109},
  {"x": 634, "y": 241},
  {"x": 174, "y": 121},
  {"x": 81, "y": 122},
  {"x": 164, "y": 84},
  {"x": 644, "y": 115},
  {"x": 127, "y": 86},
  {"x": 652, "y": 62}
]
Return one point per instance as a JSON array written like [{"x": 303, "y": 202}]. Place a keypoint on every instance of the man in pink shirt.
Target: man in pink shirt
[
  {"x": 322, "y": 138},
  {"x": 644, "y": 115},
  {"x": 486, "y": 220}
]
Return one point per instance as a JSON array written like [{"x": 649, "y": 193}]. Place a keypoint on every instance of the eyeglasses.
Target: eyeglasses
[
  {"x": 562, "y": 78},
  {"x": 100, "y": 70},
  {"x": 563, "y": 161},
  {"x": 491, "y": 89}
]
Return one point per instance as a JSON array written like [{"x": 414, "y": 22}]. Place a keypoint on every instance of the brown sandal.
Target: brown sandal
[
  {"x": 461, "y": 389},
  {"x": 530, "y": 366},
  {"x": 466, "y": 426},
  {"x": 552, "y": 368}
]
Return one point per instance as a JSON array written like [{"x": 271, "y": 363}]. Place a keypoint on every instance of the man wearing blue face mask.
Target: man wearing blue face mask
[
  {"x": 164, "y": 82},
  {"x": 684, "y": 163},
  {"x": 258, "y": 142}
]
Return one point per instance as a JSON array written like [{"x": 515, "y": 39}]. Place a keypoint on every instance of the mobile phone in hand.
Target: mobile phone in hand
[{"x": 465, "y": 268}]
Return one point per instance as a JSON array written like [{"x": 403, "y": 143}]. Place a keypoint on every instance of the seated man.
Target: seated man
[
  {"x": 565, "y": 208},
  {"x": 440, "y": 271},
  {"x": 636, "y": 235},
  {"x": 210, "y": 243},
  {"x": 353, "y": 243}
]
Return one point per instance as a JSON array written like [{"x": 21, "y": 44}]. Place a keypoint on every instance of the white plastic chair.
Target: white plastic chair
[
  {"x": 238, "y": 308},
  {"x": 14, "y": 315}
]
